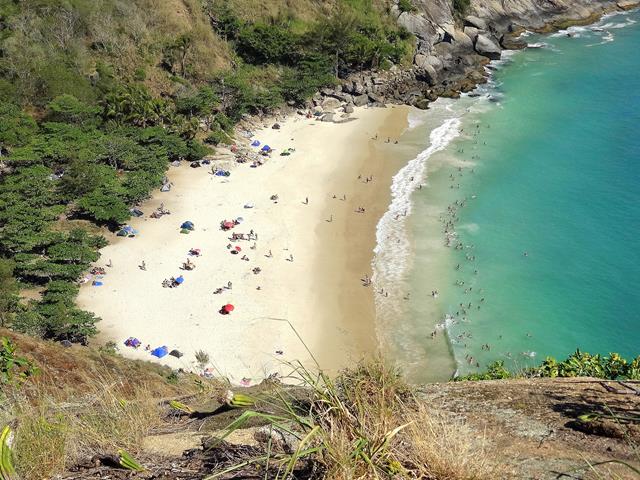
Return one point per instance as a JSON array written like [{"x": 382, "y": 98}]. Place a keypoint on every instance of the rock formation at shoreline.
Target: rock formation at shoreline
[{"x": 451, "y": 51}]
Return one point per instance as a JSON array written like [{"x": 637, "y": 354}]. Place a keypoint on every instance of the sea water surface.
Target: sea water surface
[{"x": 516, "y": 234}]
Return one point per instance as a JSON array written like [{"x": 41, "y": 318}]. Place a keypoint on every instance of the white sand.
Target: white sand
[{"x": 319, "y": 293}]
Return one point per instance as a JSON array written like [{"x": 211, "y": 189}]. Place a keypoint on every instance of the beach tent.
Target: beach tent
[
  {"x": 136, "y": 212},
  {"x": 239, "y": 220},
  {"x": 175, "y": 353},
  {"x": 180, "y": 280},
  {"x": 160, "y": 351},
  {"x": 248, "y": 205},
  {"x": 166, "y": 187},
  {"x": 97, "y": 284},
  {"x": 127, "y": 231},
  {"x": 187, "y": 225},
  {"x": 132, "y": 342},
  {"x": 266, "y": 148},
  {"x": 255, "y": 143}
]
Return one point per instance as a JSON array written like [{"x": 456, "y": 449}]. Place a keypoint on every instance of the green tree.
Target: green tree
[
  {"x": 68, "y": 109},
  {"x": 8, "y": 291},
  {"x": 16, "y": 127}
]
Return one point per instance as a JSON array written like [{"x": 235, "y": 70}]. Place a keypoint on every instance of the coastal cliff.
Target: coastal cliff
[{"x": 453, "y": 47}]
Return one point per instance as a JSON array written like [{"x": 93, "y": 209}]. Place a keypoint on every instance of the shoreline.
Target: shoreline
[
  {"x": 453, "y": 342},
  {"x": 339, "y": 328},
  {"x": 334, "y": 342}
]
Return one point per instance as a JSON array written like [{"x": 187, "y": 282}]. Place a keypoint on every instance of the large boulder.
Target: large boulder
[
  {"x": 628, "y": 4},
  {"x": 330, "y": 103},
  {"x": 376, "y": 98},
  {"x": 415, "y": 24},
  {"x": 471, "y": 32},
  {"x": 359, "y": 87},
  {"x": 348, "y": 108},
  {"x": 462, "y": 40},
  {"x": 343, "y": 97},
  {"x": 360, "y": 100},
  {"x": 486, "y": 47},
  {"x": 472, "y": 21},
  {"x": 328, "y": 117},
  {"x": 421, "y": 103}
]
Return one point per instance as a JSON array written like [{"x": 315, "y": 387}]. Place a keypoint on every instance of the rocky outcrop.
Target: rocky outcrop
[
  {"x": 628, "y": 4},
  {"x": 451, "y": 52}
]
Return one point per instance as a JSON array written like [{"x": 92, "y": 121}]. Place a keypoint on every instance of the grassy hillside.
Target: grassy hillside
[
  {"x": 72, "y": 410},
  {"x": 96, "y": 97}
]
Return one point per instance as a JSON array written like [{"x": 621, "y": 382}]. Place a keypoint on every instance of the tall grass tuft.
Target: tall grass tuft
[{"x": 364, "y": 424}]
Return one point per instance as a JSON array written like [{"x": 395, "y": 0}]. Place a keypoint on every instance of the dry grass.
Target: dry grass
[
  {"x": 364, "y": 424},
  {"x": 82, "y": 403},
  {"x": 367, "y": 424},
  {"x": 446, "y": 448}
]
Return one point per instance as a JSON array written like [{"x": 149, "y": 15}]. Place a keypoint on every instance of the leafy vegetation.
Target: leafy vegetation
[
  {"x": 406, "y": 6},
  {"x": 460, "y": 7},
  {"x": 578, "y": 364},
  {"x": 13, "y": 368}
]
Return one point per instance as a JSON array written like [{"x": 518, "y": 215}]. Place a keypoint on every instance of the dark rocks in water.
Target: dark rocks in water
[
  {"x": 422, "y": 103},
  {"x": 628, "y": 4},
  {"x": 511, "y": 42},
  {"x": 486, "y": 47}
]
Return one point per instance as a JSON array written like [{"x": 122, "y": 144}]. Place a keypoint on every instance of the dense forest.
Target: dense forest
[{"x": 97, "y": 97}]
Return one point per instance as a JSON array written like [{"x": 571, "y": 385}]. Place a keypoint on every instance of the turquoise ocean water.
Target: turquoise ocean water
[{"x": 539, "y": 174}]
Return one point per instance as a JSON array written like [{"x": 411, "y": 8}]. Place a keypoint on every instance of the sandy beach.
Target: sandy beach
[{"x": 310, "y": 286}]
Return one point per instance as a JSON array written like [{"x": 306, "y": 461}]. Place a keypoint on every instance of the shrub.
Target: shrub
[
  {"x": 262, "y": 43},
  {"x": 578, "y": 364},
  {"x": 13, "y": 368},
  {"x": 460, "y": 7},
  {"x": 216, "y": 137},
  {"x": 406, "y": 6}
]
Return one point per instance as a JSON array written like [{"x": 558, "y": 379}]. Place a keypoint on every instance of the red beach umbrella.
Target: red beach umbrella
[
  {"x": 228, "y": 308},
  {"x": 228, "y": 224},
  {"x": 238, "y": 249}
]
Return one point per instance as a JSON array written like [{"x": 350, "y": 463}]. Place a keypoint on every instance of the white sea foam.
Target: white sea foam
[
  {"x": 393, "y": 249},
  {"x": 415, "y": 119},
  {"x": 538, "y": 45},
  {"x": 575, "y": 32},
  {"x": 608, "y": 38}
]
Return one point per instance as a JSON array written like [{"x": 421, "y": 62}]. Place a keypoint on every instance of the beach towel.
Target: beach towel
[{"x": 97, "y": 284}]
